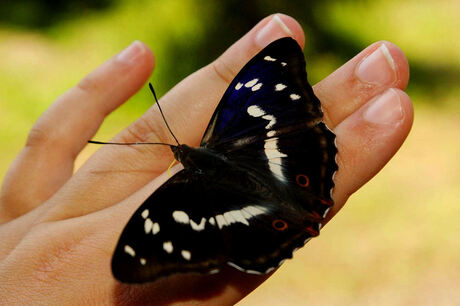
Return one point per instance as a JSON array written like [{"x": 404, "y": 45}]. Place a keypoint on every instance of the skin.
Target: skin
[{"x": 58, "y": 229}]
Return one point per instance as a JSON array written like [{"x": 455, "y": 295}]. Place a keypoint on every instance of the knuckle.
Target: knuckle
[
  {"x": 37, "y": 137},
  {"x": 89, "y": 84},
  {"x": 227, "y": 66},
  {"x": 54, "y": 250},
  {"x": 14, "y": 204},
  {"x": 138, "y": 131},
  {"x": 146, "y": 129}
]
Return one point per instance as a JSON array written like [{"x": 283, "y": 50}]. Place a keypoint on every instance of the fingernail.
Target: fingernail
[
  {"x": 386, "y": 109},
  {"x": 378, "y": 67},
  {"x": 273, "y": 30},
  {"x": 130, "y": 54}
]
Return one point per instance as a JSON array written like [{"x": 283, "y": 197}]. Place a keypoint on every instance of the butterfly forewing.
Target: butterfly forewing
[
  {"x": 273, "y": 87},
  {"x": 276, "y": 130}
]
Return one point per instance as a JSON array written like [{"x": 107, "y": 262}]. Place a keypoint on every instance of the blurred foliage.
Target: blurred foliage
[
  {"x": 335, "y": 30},
  {"x": 45, "y": 13}
]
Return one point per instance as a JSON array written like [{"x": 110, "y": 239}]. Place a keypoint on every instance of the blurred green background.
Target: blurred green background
[{"x": 397, "y": 240}]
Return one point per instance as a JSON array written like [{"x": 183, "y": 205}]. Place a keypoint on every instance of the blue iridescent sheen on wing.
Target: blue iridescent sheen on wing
[{"x": 283, "y": 89}]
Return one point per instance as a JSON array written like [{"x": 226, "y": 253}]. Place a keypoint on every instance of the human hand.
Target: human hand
[{"x": 58, "y": 229}]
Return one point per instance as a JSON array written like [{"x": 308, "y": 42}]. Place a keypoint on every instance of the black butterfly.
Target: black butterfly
[{"x": 256, "y": 189}]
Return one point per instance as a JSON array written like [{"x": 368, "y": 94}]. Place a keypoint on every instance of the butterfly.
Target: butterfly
[{"x": 257, "y": 189}]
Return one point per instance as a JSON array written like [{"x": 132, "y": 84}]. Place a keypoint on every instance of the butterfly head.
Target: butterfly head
[
  {"x": 199, "y": 160},
  {"x": 181, "y": 152}
]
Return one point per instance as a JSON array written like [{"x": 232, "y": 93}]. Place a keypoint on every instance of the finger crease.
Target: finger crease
[{"x": 223, "y": 71}]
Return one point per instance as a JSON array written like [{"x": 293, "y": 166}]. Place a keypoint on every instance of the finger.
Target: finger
[
  {"x": 380, "y": 66},
  {"x": 367, "y": 139},
  {"x": 124, "y": 170},
  {"x": 46, "y": 162}
]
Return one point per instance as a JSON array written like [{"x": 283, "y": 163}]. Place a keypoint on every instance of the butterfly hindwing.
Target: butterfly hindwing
[{"x": 192, "y": 225}]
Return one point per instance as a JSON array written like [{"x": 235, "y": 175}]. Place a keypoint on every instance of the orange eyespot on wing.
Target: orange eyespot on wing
[
  {"x": 302, "y": 180},
  {"x": 279, "y": 225}
]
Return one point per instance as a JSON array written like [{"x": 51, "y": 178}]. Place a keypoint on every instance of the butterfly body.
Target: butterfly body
[
  {"x": 199, "y": 160},
  {"x": 258, "y": 187}
]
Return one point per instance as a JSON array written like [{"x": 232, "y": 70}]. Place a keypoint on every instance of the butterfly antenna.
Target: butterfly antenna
[
  {"x": 128, "y": 143},
  {"x": 162, "y": 115}
]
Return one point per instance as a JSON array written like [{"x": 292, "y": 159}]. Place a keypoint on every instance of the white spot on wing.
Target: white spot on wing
[
  {"x": 325, "y": 212},
  {"x": 143, "y": 261},
  {"x": 234, "y": 216},
  {"x": 271, "y": 148},
  {"x": 231, "y": 264},
  {"x": 274, "y": 155},
  {"x": 251, "y": 83},
  {"x": 220, "y": 221},
  {"x": 145, "y": 213},
  {"x": 241, "y": 269},
  {"x": 283, "y": 64},
  {"x": 271, "y": 144},
  {"x": 186, "y": 254},
  {"x": 253, "y": 272},
  {"x": 245, "y": 214},
  {"x": 228, "y": 218},
  {"x": 279, "y": 87},
  {"x": 275, "y": 167},
  {"x": 255, "y": 111},
  {"x": 168, "y": 247},
  {"x": 239, "y": 215},
  {"x": 269, "y": 269},
  {"x": 272, "y": 120},
  {"x": 129, "y": 250},
  {"x": 198, "y": 227},
  {"x": 148, "y": 225},
  {"x": 254, "y": 210},
  {"x": 155, "y": 228},
  {"x": 294, "y": 97},
  {"x": 212, "y": 221},
  {"x": 180, "y": 217},
  {"x": 269, "y": 58},
  {"x": 238, "y": 86},
  {"x": 256, "y": 87}
]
